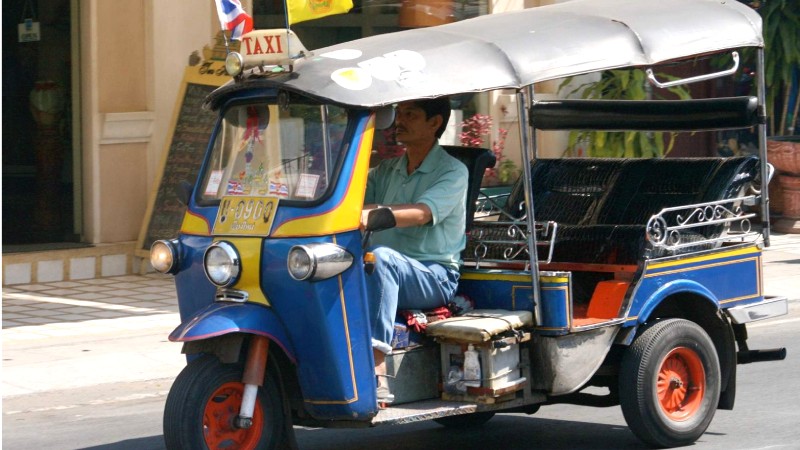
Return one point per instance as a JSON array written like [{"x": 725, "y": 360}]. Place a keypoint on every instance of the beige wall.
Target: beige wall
[
  {"x": 172, "y": 43},
  {"x": 122, "y": 85},
  {"x": 133, "y": 53}
]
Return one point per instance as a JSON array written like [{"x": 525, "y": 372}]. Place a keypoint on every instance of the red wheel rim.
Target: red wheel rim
[
  {"x": 681, "y": 384},
  {"x": 221, "y": 410}
]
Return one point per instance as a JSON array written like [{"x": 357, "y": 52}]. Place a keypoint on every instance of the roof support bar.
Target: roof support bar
[{"x": 709, "y": 76}]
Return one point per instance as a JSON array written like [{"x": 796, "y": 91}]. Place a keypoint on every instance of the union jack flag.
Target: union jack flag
[{"x": 232, "y": 17}]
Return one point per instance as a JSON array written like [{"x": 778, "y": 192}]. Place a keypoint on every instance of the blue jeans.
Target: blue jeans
[{"x": 400, "y": 282}]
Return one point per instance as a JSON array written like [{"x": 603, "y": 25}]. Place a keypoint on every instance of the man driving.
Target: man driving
[{"x": 417, "y": 262}]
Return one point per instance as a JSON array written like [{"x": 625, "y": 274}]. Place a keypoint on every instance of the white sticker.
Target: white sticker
[
  {"x": 343, "y": 55},
  {"x": 407, "y": 60},
  {"x": 353, "y": 78},
  {"x": 307, "y": 185},
  {"x": 214, "y": 180},
  {"x": 381, "y": 68}
]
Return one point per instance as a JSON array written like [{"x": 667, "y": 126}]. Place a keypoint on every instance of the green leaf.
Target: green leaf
[
  {"x": 600, "y": 139},
  {"x": 630, "y": 150}
]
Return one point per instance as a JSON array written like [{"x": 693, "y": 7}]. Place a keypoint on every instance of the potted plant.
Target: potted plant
[
  {"x": 620, "y": 85},
  {"x": 781, "y": 21},
  {"x": 474, "y": 131}
]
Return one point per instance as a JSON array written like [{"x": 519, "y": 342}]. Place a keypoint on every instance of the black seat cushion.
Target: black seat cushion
[{"x": 477, "y": 161}]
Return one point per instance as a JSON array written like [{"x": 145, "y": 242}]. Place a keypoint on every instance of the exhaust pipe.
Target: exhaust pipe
[{"x": 751, "y": 356}]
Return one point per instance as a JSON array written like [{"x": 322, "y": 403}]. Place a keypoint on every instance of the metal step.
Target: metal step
[{"x": 422, "y": 410}]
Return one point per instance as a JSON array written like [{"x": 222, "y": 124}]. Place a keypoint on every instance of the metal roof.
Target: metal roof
[{"x": 515, "y": 49}]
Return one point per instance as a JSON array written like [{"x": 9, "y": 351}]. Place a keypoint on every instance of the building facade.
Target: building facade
[{"x": 89, "y": 93}]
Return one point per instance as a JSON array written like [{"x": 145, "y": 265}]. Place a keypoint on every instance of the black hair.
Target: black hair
[{"x": 439, "y": 106}]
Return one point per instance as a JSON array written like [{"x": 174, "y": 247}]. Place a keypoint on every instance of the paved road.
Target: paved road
[
  {"x": 127, "y": 416},
  {"x": 69, "y": 383}
]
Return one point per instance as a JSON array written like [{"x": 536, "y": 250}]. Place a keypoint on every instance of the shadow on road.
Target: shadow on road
[
  {"x": 507, "y": 432},
  {"x": 145, "y": 443}
]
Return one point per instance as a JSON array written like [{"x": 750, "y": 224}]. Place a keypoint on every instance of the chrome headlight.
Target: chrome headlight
[
  {"x": 164, "y": 256},
  {"x": 222, "y": 264},
  {"x": 234, "y": 64},
  {"x": 317, "y": 261}
]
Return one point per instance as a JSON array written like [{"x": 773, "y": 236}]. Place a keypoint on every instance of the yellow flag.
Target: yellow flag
[{"x": 300, "y": 10}]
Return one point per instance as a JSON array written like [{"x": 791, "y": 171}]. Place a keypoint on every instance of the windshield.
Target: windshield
[{"x": 266, "y": 150}]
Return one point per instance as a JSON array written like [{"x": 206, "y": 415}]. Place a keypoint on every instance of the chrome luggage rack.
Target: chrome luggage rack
[
  {"x": 497, "y": 237},
  {"x": 671, "y": 229}
]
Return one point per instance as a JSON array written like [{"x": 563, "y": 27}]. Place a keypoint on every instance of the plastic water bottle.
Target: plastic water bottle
[
  {"x": 472, "y": 367},
  {"x": 455, "y": 381}
]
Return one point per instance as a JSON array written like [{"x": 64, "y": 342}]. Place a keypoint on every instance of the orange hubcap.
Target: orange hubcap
[
  {"x": 681, "y": 384},
  {"x": 220, "y": 413}
]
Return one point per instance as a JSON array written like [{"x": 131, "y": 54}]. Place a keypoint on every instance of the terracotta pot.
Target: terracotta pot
[
  {"x": 784, "y": 155},
  {"x": 775, "y": 197}
]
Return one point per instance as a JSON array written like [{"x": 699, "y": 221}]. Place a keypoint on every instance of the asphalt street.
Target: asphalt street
[{"x": 94, "y": 355}]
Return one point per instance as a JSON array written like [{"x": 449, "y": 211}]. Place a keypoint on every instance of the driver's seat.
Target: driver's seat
[{"x": 477, "y": 161}]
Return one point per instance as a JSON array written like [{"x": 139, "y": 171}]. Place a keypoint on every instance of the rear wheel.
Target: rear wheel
[
  {"x": 670, "y": 383},
  {"x": 204, "y": 402}
]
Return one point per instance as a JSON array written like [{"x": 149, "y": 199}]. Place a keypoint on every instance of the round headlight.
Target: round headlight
[
  {"x": 222, "y": 264},
  {"x": 234, "y": 64},
  {"x": 318, "y": 261},
  {"x": 164, "y": 256},
  {"x": 300, "y": 263}
]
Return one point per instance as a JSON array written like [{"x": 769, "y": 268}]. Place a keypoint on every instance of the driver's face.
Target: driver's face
[{"x": 413, "y": 127}]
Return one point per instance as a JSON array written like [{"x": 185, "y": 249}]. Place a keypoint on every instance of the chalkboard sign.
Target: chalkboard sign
[{"x": 191, "y": 130}]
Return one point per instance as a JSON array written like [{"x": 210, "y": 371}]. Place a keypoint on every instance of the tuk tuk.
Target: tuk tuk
[{"x": 636, "y": 275}]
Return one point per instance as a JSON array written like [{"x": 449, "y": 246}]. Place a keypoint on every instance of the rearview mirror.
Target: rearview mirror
[
  {"x": 377, "y": 220},
  {"x": 380, "y": 219}
]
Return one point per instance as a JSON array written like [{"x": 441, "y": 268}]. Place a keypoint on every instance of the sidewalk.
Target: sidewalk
[
  {"x": 115, "y": 329},
  {"x": 73, "y": 334}
]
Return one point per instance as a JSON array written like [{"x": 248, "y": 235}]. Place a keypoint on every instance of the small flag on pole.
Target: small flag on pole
[
  {"x": 233, "y": 18},
  {"x": 301, "y": 10}
]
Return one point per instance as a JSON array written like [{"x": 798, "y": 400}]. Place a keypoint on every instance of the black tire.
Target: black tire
[
  {"x": 203, "y": 402},
  {"x": 464, "y": 421},
  {"x": 682, "y": 355}
]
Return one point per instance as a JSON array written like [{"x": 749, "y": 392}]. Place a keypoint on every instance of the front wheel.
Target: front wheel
[
  {"x": 670, "y": 383},
  {"x": 204, "y": 402}
]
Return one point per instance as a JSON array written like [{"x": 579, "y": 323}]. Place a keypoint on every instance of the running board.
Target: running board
[{"x": 435, "y": 409}]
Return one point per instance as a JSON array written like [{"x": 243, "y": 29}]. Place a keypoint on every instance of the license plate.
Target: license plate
[{"x": 245, "y": 216}]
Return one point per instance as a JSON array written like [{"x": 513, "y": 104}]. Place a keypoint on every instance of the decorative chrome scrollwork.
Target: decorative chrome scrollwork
[
  {"x": 678, "y": 227},
  {"x": 499, "y": 242}
]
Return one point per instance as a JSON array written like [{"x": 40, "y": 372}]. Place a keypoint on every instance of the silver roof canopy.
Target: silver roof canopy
[{"x": 516, "y": 49}]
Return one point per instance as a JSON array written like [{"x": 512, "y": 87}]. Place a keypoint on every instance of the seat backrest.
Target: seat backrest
[
  {"x": 477, "y": 161},
  {"x": 567, "y": 190},
  {"x": 646, "y": 186}
]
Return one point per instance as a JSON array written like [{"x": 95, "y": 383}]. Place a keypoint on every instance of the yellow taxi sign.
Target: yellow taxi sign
[
  {"x": 242, "y": 215},
  {"x": 270, "y": 47}
]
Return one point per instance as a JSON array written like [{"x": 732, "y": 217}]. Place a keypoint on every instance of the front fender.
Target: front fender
[
  {"x": 671, "y": 288},
  {"x": 221, "y": 318}
]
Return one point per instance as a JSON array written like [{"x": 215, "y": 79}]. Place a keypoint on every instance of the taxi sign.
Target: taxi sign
[
  {"x": 243, "y": 215},
  {"x": 270, "y": 47}
]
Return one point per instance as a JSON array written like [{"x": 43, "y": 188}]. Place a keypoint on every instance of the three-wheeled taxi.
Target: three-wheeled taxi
[{"x": 637, "y": 275}]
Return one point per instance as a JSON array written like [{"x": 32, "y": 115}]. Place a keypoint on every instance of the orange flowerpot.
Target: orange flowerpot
[{"x": 785, "y": 156}]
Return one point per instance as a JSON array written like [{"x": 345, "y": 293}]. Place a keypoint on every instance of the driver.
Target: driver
[{"x": 416, "y": 263}]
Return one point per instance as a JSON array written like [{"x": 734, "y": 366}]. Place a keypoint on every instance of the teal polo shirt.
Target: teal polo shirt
[{"x": 441, "y": 183}]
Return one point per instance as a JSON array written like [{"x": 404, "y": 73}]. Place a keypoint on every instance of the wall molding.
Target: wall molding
[{"x": 126, "y": 127}]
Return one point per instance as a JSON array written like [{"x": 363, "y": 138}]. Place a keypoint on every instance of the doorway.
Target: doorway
[{"x": 41, "y": 150}]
